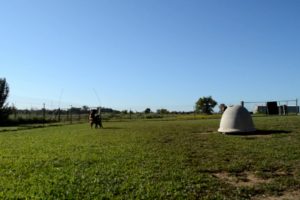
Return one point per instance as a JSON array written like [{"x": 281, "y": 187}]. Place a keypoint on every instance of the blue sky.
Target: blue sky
[{"x": 136, "y": 54}]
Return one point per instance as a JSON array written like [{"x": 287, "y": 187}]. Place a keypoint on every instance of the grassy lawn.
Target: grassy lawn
[{"x": 144, "y": 159}]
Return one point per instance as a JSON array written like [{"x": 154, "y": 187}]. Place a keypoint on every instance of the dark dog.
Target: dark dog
[
  {"x": 95, "y": 119},
  {"x": 98, "y": 121}
]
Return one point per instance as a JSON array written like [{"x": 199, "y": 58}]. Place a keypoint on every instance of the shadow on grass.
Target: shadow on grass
[
  {"x": 26, "y": 127},
  {"x": 110, "y": 128},
  {"x": 260, "y": 132}
]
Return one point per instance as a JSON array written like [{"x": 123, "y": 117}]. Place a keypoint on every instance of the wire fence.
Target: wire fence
[
  {"x": 47, "y": 113},
  {"x": 81, "y": 115},
  {"x": 26, "y": 110},
  {"x": 72, "y": 115}
]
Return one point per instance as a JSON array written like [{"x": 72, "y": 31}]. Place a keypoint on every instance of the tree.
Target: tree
[
  {"x": 125, "y": 112},
  {"x": 147, "y": 111},
  {"x": 85, "y": 109},
  {"x": 205, "y": 105},
  {"x": 162, "y": 111},
  {"x": 4, "y": 90},
  {"x": 222, "y": 107}
]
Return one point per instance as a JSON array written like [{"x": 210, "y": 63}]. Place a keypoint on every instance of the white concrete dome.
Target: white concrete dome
[{"x": 236, "y": 119}]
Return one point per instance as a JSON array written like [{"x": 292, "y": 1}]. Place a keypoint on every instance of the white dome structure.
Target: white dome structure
[{"x": 236, "y": 119}]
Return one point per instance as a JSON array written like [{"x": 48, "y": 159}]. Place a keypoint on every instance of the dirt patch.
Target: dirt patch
[
  {"x": 249, "y": 179},
  {"x": 288, "y": 195},
  {"x": 245, "y": 179}
]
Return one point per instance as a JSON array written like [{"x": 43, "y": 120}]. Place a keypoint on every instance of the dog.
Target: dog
[{"x": 95, "y": 119}]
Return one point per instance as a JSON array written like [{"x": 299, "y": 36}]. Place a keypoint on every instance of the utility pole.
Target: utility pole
[
  {"x": 297, "y": 108},
  {"x": 59, "y": 114},
  {"x": 71, "y": 114},
  {"x": 44, "y": 113},
  {"x": 242, "y": 103}
]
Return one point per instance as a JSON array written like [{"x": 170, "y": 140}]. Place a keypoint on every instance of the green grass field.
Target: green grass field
[{"x": 152, "y": 159}]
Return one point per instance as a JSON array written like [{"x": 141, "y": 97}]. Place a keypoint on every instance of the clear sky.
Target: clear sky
[{"x": 135, "y": 54}]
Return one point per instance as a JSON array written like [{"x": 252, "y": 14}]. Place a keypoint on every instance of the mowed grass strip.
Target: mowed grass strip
[{"x": 181, "y": 159}]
